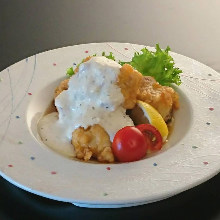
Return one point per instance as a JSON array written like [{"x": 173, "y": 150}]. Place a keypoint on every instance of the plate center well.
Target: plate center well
[{"x": 41, "y": 104}]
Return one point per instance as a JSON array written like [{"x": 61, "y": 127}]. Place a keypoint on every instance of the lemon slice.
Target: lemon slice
[{"x": 154, "y": 118}]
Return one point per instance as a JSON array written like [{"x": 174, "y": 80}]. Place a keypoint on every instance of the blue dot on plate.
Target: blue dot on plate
[
  {"x": 32, "y": 158},
  {"x": 155, "y": 164}
]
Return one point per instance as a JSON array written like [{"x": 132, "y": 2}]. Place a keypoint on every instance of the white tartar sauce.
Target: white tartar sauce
[{"x": 92, "y": 98}]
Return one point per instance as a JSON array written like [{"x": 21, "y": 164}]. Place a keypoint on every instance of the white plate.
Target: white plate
[{"x": 191, "y": 156}]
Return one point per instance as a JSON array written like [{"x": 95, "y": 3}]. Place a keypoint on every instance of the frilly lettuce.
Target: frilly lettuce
[{"x": 158, "y": 64}]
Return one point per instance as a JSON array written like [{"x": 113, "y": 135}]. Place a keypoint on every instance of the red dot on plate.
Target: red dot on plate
[
  {"x": 10, "y": 165},
  {"x": 29, "y": 93},
  {"x": 205, "y": 163},
  {"x": 53, "y": 172},
  {"x": 211, "y": 109},
  {"x": 54, "y": 64},
  {"x": 108, "y": 168},
  {"x": 86, "y": 51},
  {"x": 126, "y": 48}
]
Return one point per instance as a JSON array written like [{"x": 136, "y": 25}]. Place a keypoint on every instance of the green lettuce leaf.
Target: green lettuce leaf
[
  {"x": 110, "y": 56},
  {"x": 158, "y": 64},
  {"x": 70, "y": 72}
]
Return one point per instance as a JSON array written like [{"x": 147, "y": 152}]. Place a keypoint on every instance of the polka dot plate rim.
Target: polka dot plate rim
[{"x": 184, "y": 162}]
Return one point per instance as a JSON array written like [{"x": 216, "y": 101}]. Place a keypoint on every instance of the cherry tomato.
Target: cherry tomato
[
  {"x": 129, "y": 144},
  {"x": 150, "y": 132}
]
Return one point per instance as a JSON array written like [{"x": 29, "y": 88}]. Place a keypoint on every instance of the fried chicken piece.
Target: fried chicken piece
[
  {"x": 62, "y": 86},
  {"x": 129, "y": 80},
  {"x": 162, "y": 98},
  {"x": 92, "y": 142}
]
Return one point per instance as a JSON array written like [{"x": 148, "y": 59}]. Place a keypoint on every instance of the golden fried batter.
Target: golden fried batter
[
  {"x": 162, "y": 98},
  {"x": 63, "y": 86},
  {"x": 92, "y": 142},
  {"x": 129, "y": 80}
]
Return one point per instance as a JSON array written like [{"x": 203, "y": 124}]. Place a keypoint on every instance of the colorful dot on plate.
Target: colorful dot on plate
[
  {"x": 20, "y": 142},
  {"x": 54, "y": 64},
  {"x": 155, "y": 164},
  {"x": 17, "y": 116},
  {"x": 32, "y": 158},
  {"x": 126, "y": 48},
  {"x": 194, "y": 147},
  {"x": 205, "y": 162},
  {"x": 108, "y": 168},
  {"x": 29, "y": 93},
  {"x": 211, "y": 109},
  {"x": 10, "y": 165},
  {"x": 53, "y": 172},
  {"x": 86, "y": 51},
  {"x": 209, "y": 74},
  {"x": 105, "y": 194},
  {"x": 208, "y": 123},
  {"x": 74, "y": 64}
]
